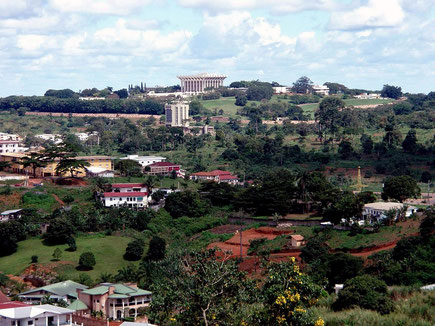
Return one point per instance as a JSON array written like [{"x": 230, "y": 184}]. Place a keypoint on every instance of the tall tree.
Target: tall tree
[
  {"x": 328, "y": 115},
  {"x": 34, "y": 161},
  {"x": 391, "y": 91},
  {"x": 401, "y": 188},
  {"x": 409, "y": 145},
  {"x": 303, "y": 85}
]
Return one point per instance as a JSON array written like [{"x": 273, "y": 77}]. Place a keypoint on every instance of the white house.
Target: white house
[
  {"x": 55, "y": 138},
  {"x": 95, "y": 171},
  {"x": 6, "y": 136},
  {"x": 144, "y": 160},
  {"x": 11, "y": 146},
  {"x": 27, "y": 315},
  {"x": 12, "y": 214},
  {"x": 129, "y": 187},
  {"x": 125, "y": 199},
  {"x": 321, "y": 89},
  {"x": 377, "y": 211}
]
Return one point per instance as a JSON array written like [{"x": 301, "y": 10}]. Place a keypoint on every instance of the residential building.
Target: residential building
[
  {"x": 55, "y": 138},
  {"x": 199, "y": 130},
  {"x": 84, "y": 136},
  {"x": 11, "y": 146},
  {"x": 20, "y": 314},
  {"x": 6, "y": 136},
  {"x": 144, "y": 160},
  {"x": 163, "y": 168},
  {"x": 12, "y": 214},
  {"x": 14, "y": 159},
  {"x": 281, "y": 89},
  {"x": 61, "y": 291},
  {"x": 297, "y": 240},
  {"x": 373, "y": 212},
  {"x": 199, "y": 82},
  {"x": 177, "y": 115},
  {"x": 129, "y": 187},
  {"x": 115, "y": 301},
  {"x": 136, "y": 199},
  {"x": 321, "y": 90},
  {"x": 216, "y": 176}
]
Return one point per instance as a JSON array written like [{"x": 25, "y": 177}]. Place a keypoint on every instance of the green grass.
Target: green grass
[{"x": 108, "y": 251}]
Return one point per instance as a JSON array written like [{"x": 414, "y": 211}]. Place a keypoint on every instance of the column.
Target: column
[
  {"x": 122, "y": 314},
  {"x": 58, "y": 320},
  {"x": 46, "y": 321},
  {"x": 70, "y": 319}
]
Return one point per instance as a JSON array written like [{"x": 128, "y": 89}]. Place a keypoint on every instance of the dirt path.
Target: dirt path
[{"x": 58, "y": 200}]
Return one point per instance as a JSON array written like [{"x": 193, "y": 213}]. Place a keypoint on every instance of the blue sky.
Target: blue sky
[{"x": 81, "y": 44}]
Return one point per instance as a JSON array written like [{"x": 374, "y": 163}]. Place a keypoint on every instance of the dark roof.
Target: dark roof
[
  {"x": 126, "y": 194},
  {"x": 212, "y": 173},
  {"x": 127, "y": 185},
  {"x": 163, "y": 164}
]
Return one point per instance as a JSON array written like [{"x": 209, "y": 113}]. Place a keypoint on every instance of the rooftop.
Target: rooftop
[
  {"x": 61, "y": 289},
  {"x": 384, "y": 205},
  {"x": 163, "y": 164},
  {"x": 121, "y": 290},
  {"x": 212, "y": 173},
  {"x": 11, "y": 211},
  {"x": 127, "y": 185},
  {"x": 203, "y": 75},
  {"x": 142, "y": 158},
  {"x": 78, "y": 305},
  {"x": 33, "y": 311},
  {"x": 126, "y": 194}
]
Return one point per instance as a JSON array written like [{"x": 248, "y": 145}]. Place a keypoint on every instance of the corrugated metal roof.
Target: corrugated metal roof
[
  {"x": 60, "y": 288},
  {"x": 78, "y": 305}
]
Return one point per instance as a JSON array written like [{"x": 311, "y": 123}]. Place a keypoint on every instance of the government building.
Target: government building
[
  {"x": 177, "y": 114},
  {"x": 198, "y": 83}
]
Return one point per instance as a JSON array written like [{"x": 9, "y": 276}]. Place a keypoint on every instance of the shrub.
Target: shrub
[
  {"x": 157, "y": 249},
  {"x": 134, "y": 250},
  {"x": 72, "y": 246},
  {"x": 87, "y": 261},
  {"x": 68, "y": 199},
  {"x": 366, "y": 292},
  {"x": 57, "y": 254},
  {"x": 34, "y": 259}
]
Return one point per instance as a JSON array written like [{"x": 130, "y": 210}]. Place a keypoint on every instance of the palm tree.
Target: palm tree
[{"x": 150, "y": 183}]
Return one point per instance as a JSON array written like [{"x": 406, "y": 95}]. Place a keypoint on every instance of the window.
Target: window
[{"x": 30, "y": 322}]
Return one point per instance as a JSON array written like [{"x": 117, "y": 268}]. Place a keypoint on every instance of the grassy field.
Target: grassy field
[{"x": 108, "y": 251}]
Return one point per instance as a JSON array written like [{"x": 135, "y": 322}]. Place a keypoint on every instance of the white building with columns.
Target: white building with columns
[{"x": 199, "y": 82}]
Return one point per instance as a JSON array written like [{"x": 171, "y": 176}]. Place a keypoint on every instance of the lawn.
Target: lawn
[{"x": 108, "y": 251}]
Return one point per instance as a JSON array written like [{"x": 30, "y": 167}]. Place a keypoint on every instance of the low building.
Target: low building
[
  {"x": 125, "y": 199},
  {"x": 116, "y": 301},
  {"x": 281, "y": 89},
  {"x": 321, "y": 90},
  {"x": 6, "y": 136},
  {"x": 144, "y": 160},
  {"x": 62, "y": 291},
  {"x": 93, "y": 171},
  {"x": 216, "y": 176},
  {"x": 42, "y": 315},
  {"x": 11, "y": 146},
  {"x": 12, "y": 214},
  {"x": 297, "y": 240},
  {"x": 373, "y": 212},
  {"x": 55, "y": 138},
  {"x": 199, "y": 130},
  {"x": 163, "y": 168},
  {"x": 129, "y": 187}
]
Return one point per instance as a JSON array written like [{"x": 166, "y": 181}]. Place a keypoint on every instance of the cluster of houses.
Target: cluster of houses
[{"x": 114, "y": 301}]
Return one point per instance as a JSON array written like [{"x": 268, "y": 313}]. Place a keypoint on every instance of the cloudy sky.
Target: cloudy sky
[{"x": 81, "y": 44}]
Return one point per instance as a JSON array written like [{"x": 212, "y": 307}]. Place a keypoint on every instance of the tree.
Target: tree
[
  {"x": 366, "y": 292},
  {"x": 391, "y": 91},
  {"x": 401, "y": 188},
  {"x": 157, "y": 249},
  {"x": 344, "y": 207},
  {"x": 134, "y": 250},
  {"x": 122, "y": 93},
  {"x": 426, "y": 177},
  {"x": 34, "y": 259},
  {"x": 366, "y": 143},
  {"x": 59, "y": 231},
  {"x": 57, "y": 254},
  {"x": 129, "y": 168},
  {"x": 71, "y": 165},
  {"x": 409, "y": 145},
  {"x": 87, "y": 261},
  {"x": 328, "y": 115},
  {"x": 62, "y": 93},
  {"x": 241, "y": 100},
  {"x": 303, "y": 85},
  {"x": 186, "y": 203},
  {"x": 341, "y": 267},
  {"x": 345, "y": 149},
  {"x": 315, "y": 249},
  {"x": 4, "y": 165},
  {"x": 259, "y": 92},
  {"x": 33, "y": 160}
]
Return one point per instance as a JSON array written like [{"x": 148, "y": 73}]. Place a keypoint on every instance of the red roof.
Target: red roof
[
  {"x": 128, "y": 185},
  {"x": 12, "y": 304},
  {"x": 228, "y": 177},
  {"x": 126, "y": 194},
  {"x": 163, "y": 164},
  {"x": 213, "y": 173},
  {"x": 9, "y": 141}
]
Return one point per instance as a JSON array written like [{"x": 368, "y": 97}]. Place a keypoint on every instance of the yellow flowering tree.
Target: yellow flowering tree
[{"x": 287, "y": 294}]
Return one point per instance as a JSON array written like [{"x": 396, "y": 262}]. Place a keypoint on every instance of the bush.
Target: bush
[
  {"x": 34, "y": 259},
  {"x": 87, "y": 261},
  {"x": 134, "y": 250},
  {"x": 68, "y": 199},
  {"x": 72, "y": 246},
  {"x": 366, "y": 292},
  {"x": 157, "y": 249}
]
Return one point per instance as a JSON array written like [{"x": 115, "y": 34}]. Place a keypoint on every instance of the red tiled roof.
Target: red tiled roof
[
  {"x": 9, "y": 141},
  {"x": 163, "y": 164},
  {"x": 125, "y": 194},
  {"x": 128, "y": 185},
  {"x": 12, "y": 304},
  {"x": 3, "y": 297},
  {"x": 213, "y": 173},
  {"x": 228, "y": 177}
]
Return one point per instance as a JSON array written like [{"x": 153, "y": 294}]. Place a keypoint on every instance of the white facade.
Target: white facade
[
  {"x": 84, "y": 136},
  {"x": 11, "y": 146},
  {"x": 321, "y": 89},
  {"x": 145, "y": 160},
  {"x": 281, "y": 89},
  {"x": 5, "y": 136},
  {"x": 177, "y": 115},
  {"x": 199, "y": 82},
  {"x": 378, "y": 211},
  {"x": 125, "y": 199},
  {"x": 55, "y": 138},
  {"x": 41, "y": 315}
]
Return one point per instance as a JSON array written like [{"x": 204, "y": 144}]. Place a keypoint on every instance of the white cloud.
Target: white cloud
[
  {"x": 18, "y": 8},
  {"x": 385, "y": 13},
  {"x": 111, "y": 7}
]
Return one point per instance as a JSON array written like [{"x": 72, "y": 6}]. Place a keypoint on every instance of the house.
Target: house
[
  {"x": 11, "y": 146},
  {"x": 115, "y": 301},
  {"x": 19, "y": 314},
  {"x": 93, "y": 171},
  {"x": 129, "y": 187},
  {"x": 125, "y": 199},
  {"x": 163, "y": 168},
  {"x": 199, "y": 130},
  {"x": 55, "y": 138},
  {"x": 321, "y": 90},
  {"x": 216, "y": 176},
  {"x": 49, "y": 170},
  {"x": 66, "y": 291},
  {"x": 144, "y": 160},
  {"x": 297, "y": 240},
  {"x": 12, "y": 214},
  {"x": 375, "y": 212},
  {"x": 6, "y": 136}
]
